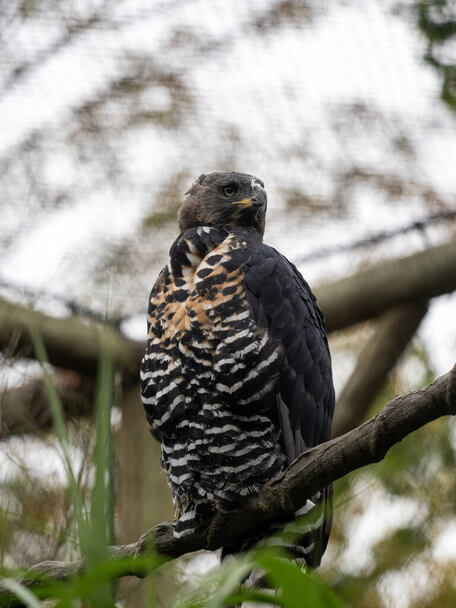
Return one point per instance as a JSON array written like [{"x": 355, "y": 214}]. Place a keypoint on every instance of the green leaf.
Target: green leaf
[
  {"x": 99, "y": 532},
  {"x": 21, "y": 592},
  {"x": 300, "y": 589},
  {"x": 88, "y": 584},
  {"x": 218, "y": 586},
  {"x": 233, "y": 575}
]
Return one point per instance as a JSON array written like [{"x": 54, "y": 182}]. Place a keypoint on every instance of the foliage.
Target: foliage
[
  {"x": 408, "y": 498},
  {"x": 436, "y": 20},
  {"x": 94, "y": 522}
]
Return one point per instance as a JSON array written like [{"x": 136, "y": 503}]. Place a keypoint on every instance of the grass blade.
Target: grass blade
[
  {"x": 21, "y": 592},
  {"x": 300, "y": 588},
  {"x": 101, "y": 525},
  {"x": 59, "y": 425}
]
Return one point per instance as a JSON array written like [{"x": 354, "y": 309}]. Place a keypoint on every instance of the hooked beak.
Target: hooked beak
[{"x": 258, "y": 199}]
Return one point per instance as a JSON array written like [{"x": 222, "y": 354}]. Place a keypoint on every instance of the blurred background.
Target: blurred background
[{"x": 109, "y": 111}]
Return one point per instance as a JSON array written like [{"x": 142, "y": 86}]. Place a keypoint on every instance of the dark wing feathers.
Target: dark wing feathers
[{"x": 283, "y": 303}]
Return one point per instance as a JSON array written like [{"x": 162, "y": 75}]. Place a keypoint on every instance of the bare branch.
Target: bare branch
[
  {"x": 393, "y": 332},
  {"x": 378, "y": 288},
  {"x": 282, "y": 496},
  {"x": 72, "y": 343}
]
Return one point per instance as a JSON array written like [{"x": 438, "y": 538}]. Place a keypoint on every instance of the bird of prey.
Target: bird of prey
[{"x": 236, "y": 380}]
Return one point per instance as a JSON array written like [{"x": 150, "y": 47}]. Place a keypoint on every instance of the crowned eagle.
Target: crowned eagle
[{"x": 236, "y": 380}]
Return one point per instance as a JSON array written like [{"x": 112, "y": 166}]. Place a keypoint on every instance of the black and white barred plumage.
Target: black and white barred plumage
[{"x": 236, "y": 380}]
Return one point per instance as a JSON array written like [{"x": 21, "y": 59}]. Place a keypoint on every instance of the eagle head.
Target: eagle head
[{"x": 225, "y": 199}]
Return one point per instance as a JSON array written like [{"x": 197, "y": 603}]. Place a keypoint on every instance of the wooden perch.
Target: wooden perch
[{"x": 282, "y": 496}]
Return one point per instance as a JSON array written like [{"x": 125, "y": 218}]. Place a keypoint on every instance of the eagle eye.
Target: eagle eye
[{"x": 230, "y": 189}]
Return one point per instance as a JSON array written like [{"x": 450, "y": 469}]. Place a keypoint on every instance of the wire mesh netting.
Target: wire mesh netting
[{"x": 111, "y": 110}]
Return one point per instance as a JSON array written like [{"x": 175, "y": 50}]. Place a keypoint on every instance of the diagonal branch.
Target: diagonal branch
[
  {"x": 309, "y": 473},
  {"x": 370, "y": 292},
  {"x": 393, "y": 332}
]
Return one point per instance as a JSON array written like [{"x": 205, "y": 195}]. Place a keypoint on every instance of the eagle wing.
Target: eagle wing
[{"x": 283, "y": 304}]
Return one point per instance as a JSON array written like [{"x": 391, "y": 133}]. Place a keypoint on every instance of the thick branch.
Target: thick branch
[
  {"x": 310, "y": 472},
  {"x": 72, "y": 343},
  {"x": 374, "y": 290},
  {"x": 393, "y": 332}
]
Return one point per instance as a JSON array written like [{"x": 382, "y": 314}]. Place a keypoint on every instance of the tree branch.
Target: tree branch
[
  {"x": 286, "y": 493},
  {"x": 72, "y": 343},
  {"x": 393, "y": 332},
  {"x": 372, "y": 291},
  {"x": 75, "y": 343}
]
